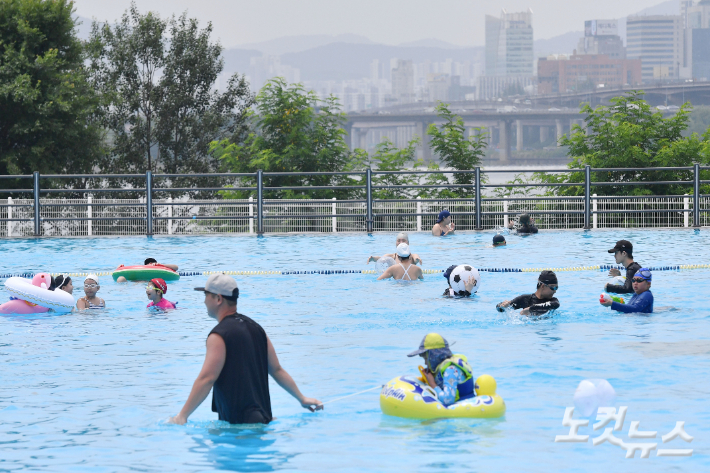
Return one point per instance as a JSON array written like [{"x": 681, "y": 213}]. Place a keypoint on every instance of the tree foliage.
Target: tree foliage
[
  {"x": 388, "y": 157},
  {"x": 630, "y": 134},
  {"x": 46, "y": 104},
  {"x": 157, "y": 79},
  {"x": 456, "y": 151},
  {"x": 293, "y": 131}
]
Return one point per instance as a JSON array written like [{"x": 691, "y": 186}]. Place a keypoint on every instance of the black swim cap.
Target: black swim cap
[
  {"x": 548, "y": 277},
  {"x": 447, "y": 273},
  {"x": 149, "y": 260},
  {"x": 498, "y": 239}
]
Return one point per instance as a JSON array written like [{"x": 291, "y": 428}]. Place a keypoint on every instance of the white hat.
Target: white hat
[
  {"x": 221, "y": 284},
  {"x": 93, "y": 277},
  {"x": 403, "y": 250}
]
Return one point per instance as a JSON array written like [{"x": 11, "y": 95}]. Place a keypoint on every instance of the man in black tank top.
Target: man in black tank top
[{"x": 239, "y": 360}]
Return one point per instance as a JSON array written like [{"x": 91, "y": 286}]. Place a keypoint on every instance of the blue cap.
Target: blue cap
[
  {"x": 442, "y": 215},
  {"x": 644, "y": 273}
]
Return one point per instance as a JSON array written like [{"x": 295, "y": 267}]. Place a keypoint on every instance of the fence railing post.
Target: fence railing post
[
  {"x": 170, "y": 216},
  {"x": 587, "y": 191},
  {"x": 335, "y": 220},
  {"x": 368, "y": 217},
  {"x": 38, "y": 229},
  {"x": 505, "y": 214},
  {"x": 89, "y": 215},
  {"x": 696, "y": 197},
  {"x": 686, "y": 207},
  {"x": 9, "y": 216},
  {"x": 594, "y": 208},
  {"x": 251, "y": 215},
  {"x": 259, "y": 202},
  {"x": 149, "y": 202},
  {"x": 419, "y": 213},
  {"x": 479, "y": 220}
]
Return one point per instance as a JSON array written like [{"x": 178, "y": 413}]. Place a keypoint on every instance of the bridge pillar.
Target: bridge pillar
[
  {"x": 519, "y": 135},
  {"x": 420, "y": 130},
  {"x": 560, "y": 131},
  {"x": 504, "y": 143},
  {"x": 544, "y": 133}
]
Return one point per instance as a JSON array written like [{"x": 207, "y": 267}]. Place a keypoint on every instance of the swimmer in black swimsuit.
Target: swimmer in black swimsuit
[
  {"x": 526, "y": 225},
  {"x": 541, "y": 301}
]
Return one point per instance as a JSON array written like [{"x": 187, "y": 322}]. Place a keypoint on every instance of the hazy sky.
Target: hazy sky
[{"x": 460, "y": 22}]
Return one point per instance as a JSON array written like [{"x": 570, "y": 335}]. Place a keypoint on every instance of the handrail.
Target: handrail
[{"x": 363, "y": 181}]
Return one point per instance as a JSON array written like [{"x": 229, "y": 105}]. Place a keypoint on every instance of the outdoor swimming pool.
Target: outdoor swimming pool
[{"x": 90, "y": 392}]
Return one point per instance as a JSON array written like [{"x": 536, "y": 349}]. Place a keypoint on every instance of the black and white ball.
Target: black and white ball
[{"x": 461, "y": 274}]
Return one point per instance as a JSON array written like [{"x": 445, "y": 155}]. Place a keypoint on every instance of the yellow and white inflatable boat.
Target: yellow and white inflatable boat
[{"x": 411, "y": 398}]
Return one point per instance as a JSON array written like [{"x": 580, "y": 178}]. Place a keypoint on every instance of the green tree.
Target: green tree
[
  {"x": 293, "y": 131},
  {"x": 47, "y": 107},
  {"x": 629, "y": 134},
  {"x": 157, "y": 78},
  {"x": 388, "y": 157},
  {"x": 455, "y": 150}
]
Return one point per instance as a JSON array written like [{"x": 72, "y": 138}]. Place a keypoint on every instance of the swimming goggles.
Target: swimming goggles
[
  {"x": 554, "y": 287},
  {"x": 639, "y": 280},
  {"x": 150, "y": 286},
  {"x": 91, "y": 286}
]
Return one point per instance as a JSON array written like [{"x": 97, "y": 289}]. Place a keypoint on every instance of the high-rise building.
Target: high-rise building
[
  {"x": 696, "y": 18},
  {"x": 403, "y": 82},
  {"x": 585, "y": 72},
  {"x": 602, "y": 37},
  {"x": 509, "y": 44},
  {"x": 658, "y": 41}
]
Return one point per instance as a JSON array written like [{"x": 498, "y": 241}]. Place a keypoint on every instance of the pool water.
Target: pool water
[{"x": 91, "y": 391}]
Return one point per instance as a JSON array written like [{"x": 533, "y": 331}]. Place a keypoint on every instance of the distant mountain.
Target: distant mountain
[
  {"x": 344, "y": 61},
  {"x": 562, "y": 44},
  {"x": 292, "y": 44},
  {"x": 431, "y": 43},
  {"x": 238, "y": 60},
  {"x": 671, "y": 7},
  {"x": 83, "y": 28}
]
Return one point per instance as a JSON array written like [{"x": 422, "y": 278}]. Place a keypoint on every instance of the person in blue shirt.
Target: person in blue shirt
[
  {"x": 642, "y": 300},
  {"x": 448, "y": 374}
]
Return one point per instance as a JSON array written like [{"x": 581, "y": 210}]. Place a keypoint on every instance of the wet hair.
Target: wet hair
[
  {"x": 403, "y": 236},
  {"x": 149, "y": 260},
  {"x": 524, "y": 219}
]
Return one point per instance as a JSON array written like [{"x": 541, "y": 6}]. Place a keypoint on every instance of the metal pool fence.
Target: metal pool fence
[{"x": 99, "y": 211}]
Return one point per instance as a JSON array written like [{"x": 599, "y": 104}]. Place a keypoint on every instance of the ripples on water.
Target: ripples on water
[{"x": 91, "y": 391}]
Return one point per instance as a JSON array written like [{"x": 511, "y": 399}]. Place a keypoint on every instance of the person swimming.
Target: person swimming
[
  {"x": 499, "y": 240},
  {"x": 526, "y": 225},
  {"x": 402, "y": 237},
  {"x": 91, "y": 301},
  {"x": 642, "y": 300},
  {"x": 541, "y": 301},
  {"x": 443, "y": 226},
  {"x": 155, "y": 291},
  {"x": 151, "y": 262},
  {"x": 406, "y": 270}
]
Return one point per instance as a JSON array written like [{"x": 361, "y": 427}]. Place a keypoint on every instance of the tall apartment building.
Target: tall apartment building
[
  {"x": 602, "y": 37},
  {"x": 403, "y": 82},
  {"x": 658, "y": 41},
  {"x": 509, "y": 54},
  {"x": 509, "y": 44},
  {"x": 696, "y": 51}
]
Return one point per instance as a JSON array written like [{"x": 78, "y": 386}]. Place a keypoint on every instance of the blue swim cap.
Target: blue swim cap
[
  {"x": 644, "y": 273},
  {"x": 442, "y": 215}
]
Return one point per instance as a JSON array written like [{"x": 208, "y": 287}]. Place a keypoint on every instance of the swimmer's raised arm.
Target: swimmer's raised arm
[
  {"x": 285, "y": 380},
  {"x": 211, "y": 369},
  {"x": 374, "y": 259}
]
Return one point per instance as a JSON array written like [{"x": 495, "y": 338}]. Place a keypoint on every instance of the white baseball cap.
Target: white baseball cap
[
  {"x": 221, "y": 284},
  {"x": 403, "y": 250}
]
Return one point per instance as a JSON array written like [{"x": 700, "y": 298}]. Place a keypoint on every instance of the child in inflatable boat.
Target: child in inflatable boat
[{"x": 448, "y": 374}]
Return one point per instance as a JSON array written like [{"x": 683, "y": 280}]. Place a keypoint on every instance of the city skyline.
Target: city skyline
[{"x": 458, "y": 22}]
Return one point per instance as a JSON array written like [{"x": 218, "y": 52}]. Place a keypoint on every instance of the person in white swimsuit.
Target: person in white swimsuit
[{"x": 405, "y": 270}]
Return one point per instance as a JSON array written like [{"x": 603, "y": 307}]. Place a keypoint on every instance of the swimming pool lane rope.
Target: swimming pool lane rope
[{"x": 599, "y": 267}]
